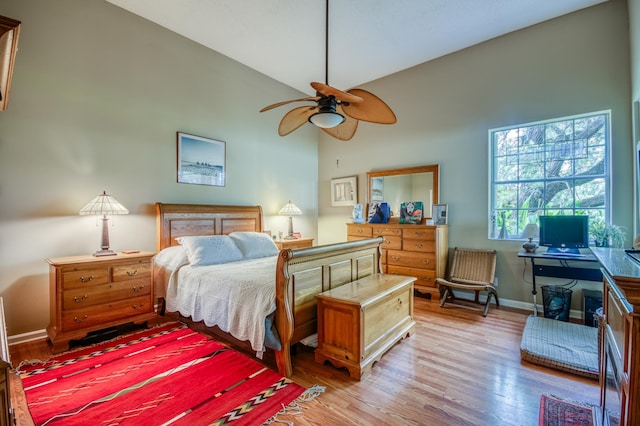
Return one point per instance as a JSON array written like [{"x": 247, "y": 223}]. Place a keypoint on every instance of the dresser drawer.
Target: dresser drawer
[
  {"x": 392, "y": 243},
  {"x": 100, "y": 314},
  {"x": 130, "y": 271},
  {"x": 425, "y": 246},
  {"x": 384, "y": 232},
  {"x": 77, "y": 298},
  {"x": 424, "y": 277},
  {"x": 411, "y": 259},
  {"x": 84, "y": 277},
  {"x": 359, "y": 231},
  {"x": 419, "y": 233}
]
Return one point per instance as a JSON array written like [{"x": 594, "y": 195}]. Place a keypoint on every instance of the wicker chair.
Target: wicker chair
[{"x": 471, "y": 269}]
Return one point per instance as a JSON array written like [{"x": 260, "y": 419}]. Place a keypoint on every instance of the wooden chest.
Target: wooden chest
[
  {"x": 412, "y": 250},
  {"x": 90, "y": 293},
  {"x": 358, "y": 322}
]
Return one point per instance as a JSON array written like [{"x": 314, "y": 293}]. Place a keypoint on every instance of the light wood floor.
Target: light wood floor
[{"x": 458, "y": 368}]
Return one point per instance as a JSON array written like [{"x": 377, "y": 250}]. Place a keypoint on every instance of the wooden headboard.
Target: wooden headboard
[{"x": 181, "y": 220}]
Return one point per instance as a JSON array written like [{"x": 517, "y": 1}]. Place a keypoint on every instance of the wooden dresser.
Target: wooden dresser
[
  {"x": 89, "y": 293},
  {"x": 419, "y": 251},
  {"x": 358, "y": 322},
  {"x": 620, "y": 345}
]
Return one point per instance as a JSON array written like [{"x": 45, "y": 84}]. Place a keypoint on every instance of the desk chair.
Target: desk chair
[{"x": 471, "y": 269}]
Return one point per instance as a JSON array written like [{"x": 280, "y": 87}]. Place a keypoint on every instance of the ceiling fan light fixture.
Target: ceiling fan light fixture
[{"x": 326, "y": 119}]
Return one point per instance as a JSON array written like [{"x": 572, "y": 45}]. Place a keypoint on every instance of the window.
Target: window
[{"x": 552, "y": 167}]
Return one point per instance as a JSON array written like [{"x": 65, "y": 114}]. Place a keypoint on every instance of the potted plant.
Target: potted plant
[{"x": 607, "y": 235}]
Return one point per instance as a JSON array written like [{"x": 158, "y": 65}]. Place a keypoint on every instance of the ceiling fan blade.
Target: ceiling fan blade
[
  {"x": 310, "y": 98},
  {"x": 344, "y": 131},
  {"x": 327, "y": 90},
  {"x": 373, "y": 109},
  {"x": 294, "y": 119}
]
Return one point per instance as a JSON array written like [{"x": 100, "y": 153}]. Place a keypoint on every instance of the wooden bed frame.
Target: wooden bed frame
[{"x": 300, "y": 274}]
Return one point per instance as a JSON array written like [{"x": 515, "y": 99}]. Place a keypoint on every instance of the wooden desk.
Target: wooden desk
[
  {"x": 358, "y": 322},
  {"x": 294, "y": 244}
]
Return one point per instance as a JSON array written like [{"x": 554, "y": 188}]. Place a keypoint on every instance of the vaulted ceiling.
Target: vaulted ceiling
[{"x": 368, "y": 39}]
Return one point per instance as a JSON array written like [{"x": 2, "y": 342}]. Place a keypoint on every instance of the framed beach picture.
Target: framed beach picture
[
  {"x": 440, "y": 214},
  {"x": 344, "y": 191},
  {"x": 201, "y": 161}
]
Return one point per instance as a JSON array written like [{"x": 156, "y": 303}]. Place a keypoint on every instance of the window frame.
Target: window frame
[{"x": 493, "y": 231}]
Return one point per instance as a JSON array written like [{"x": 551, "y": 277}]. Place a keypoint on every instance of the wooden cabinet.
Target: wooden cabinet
[
  {"x": 414, "y": 250},
  {"x": 620, "y": 345},
  {"x": 358, "y": 322},
  {"x": 90, "y": 293},
  {"x": 294, "y": 244}
]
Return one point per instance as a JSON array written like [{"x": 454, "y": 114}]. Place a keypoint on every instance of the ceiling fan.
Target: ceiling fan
[{"x": 336, "y": 112}]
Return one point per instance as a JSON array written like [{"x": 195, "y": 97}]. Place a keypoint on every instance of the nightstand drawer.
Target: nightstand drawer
[
  {"x": 79, "y": 297},
  {"x": 100, "y": 314},
  {"x": 139, "y": 269},
  {"x": 85, "y": 277}
]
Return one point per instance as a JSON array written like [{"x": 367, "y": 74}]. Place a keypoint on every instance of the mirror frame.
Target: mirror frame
[
  {"x": 433, "y": 168},
  {"x": 9, "y": 34}
]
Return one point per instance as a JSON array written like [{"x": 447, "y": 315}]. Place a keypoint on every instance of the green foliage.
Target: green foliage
[{"x": 606, "y": 235}]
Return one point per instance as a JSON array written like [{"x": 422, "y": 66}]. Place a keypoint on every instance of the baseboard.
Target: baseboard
[{"x": 27, "y": 337}]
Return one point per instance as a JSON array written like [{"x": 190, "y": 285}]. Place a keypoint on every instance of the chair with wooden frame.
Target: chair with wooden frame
[{"x": 471, "y": 269}]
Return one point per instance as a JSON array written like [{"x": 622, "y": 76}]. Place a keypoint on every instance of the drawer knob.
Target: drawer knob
[
  {"x": 78, "y": 320},
  {"x": 396, "y": 231},
  {"x": 138, "y": 307},
  {"x": 419, "y": 245},
  {"x": 137, "y": 289},
  {"x": 395, "y": 258},
  {"x": 80, "y": 299},
  {"x": 359, "y": 231},
  {"x": 419, "y": 234},
  {"x": 132, "y": 273},
  {"x": 426, "y": 261},
  {"x": 85, "y": 280}
]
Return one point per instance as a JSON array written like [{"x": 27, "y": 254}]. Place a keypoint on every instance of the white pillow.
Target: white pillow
[
  {"x": 210, "y": 249},
  {"x": 255, "y": 244}
]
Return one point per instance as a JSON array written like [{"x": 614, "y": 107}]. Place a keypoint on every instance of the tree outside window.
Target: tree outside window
[{"x": 555, "y": 167}]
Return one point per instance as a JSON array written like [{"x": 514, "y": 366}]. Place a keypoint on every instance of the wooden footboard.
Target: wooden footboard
[{"x": 303, "y": 274}]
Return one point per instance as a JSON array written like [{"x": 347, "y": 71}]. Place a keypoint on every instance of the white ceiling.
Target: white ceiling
[{"x": 368, "y": 39}]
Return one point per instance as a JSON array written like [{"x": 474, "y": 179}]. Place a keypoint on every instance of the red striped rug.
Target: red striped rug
[{"x": 160, "y": 376}]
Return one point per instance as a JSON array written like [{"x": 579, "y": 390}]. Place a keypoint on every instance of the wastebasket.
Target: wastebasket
[{"x": 556, "y": 302}]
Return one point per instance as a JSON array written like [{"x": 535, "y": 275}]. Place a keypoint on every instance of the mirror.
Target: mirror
[{"x": 395, "y": 186}]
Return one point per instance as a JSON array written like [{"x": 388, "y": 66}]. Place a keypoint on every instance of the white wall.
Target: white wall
[
  {"x": 97, "y": 98},
  {"x": 570, "y": 65}
]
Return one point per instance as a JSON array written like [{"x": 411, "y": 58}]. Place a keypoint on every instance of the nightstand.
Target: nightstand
[
  {"x": 294, "y": 244},
  {"x": 89, "y": 293}
]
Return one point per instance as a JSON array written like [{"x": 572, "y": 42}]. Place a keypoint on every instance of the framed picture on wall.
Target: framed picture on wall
[
  {"x": 440, "y": 214},
  {"x": 344, "y": 191},
  {"x": 201, "y": 161}
]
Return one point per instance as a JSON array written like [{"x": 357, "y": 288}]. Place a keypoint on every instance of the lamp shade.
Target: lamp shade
[
  {"x": 290, "y": 209},
  {"x": 104, "y": 204},
  {"x": 530, "y": 231}
]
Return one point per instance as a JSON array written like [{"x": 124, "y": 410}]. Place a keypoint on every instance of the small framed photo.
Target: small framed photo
[
  {"x": 201, "y": 161},
  {"x": 344, "y": 191},
  {"x": 440, "y": 214}
]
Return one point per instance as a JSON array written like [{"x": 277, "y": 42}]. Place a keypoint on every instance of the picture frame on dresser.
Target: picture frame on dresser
[
  {"x": 201, "y": 161},
  {"x": 440, "y": 214},
  {"x": 344, "y": 191}
]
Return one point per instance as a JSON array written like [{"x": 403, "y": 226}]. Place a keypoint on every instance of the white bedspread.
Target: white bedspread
[{"x": 236, "y": 296}]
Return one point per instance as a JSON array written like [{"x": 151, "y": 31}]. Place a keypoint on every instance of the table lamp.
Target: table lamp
[
  {"x": 104, "y": 205},
  {"x": 290, "y": 210},
  {"x": 530, "y": 232}
]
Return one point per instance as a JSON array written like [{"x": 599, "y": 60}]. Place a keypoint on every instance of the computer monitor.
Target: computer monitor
[{"x": 564, "y": 234}]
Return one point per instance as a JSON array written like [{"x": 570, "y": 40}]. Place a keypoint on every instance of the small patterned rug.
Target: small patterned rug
[
  {"x": 165, "y": 375},
  {"x": 555, "y": 411}
]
